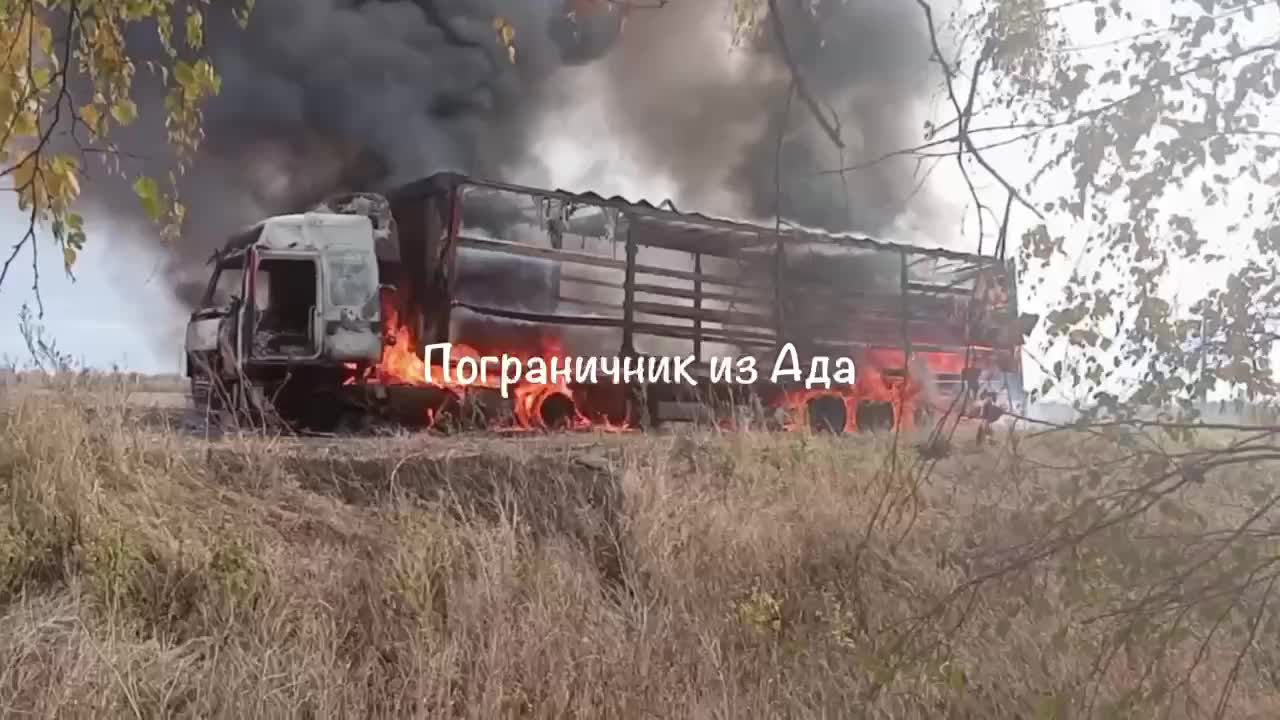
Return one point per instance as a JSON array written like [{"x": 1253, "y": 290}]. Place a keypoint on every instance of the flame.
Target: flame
[
  {"x": 555, "y": 405},
  {"x": 401, "y": 364},
  {"x": 531, "y": 399},
  {"x": 535, "y": 405}
]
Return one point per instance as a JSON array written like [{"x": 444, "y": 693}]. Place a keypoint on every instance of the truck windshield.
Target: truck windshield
[{"x": 228, "y": 283}]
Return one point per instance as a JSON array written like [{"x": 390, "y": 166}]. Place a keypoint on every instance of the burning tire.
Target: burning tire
[
  {"x": 827, "y": 413},
  {"x": 546, "y": 408},
  {"x": 872, "y": 416},
  {"x": 556, "y": 410}
]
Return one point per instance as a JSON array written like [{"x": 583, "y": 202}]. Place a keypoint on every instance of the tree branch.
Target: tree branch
[
  {"x": 829, "y": 125},
  {"x": 964, "y": 111}
]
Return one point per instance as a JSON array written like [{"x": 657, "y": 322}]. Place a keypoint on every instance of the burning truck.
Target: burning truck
[{"x": 324, "y": 315}]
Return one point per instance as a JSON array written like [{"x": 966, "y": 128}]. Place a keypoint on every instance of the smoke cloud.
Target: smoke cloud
[
  {"x": 325, "y": 96},
  {"x": 711, "y": 118}
]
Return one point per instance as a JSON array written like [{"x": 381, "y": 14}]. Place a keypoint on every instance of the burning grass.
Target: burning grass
[{"x": 719, "y": 575}]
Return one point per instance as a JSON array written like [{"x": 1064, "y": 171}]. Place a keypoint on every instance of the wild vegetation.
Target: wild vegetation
[
  {"x": 67, "y": 85},
  {"x": 146, "y": 572}
]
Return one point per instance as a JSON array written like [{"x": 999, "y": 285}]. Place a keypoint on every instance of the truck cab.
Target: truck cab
[{"x": 291, "y": 304}]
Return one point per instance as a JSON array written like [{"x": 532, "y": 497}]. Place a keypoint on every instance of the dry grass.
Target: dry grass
[
  {"x": 144, "y": 573},
  {"x": 16, "y": 380}
]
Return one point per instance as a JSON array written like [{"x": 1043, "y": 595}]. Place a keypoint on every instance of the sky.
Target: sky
[{"x": 118, "y": 311}]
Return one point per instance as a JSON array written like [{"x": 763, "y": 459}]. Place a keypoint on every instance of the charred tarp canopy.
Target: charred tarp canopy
[{"x": 661, "y": 281}]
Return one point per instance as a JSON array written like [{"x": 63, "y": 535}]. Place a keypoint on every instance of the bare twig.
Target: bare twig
[
  {"x": 829, "y": 125},
  {"x": 963, "y": 111}
]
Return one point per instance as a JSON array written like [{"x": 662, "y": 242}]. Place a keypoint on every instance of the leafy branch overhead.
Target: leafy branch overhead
[
  {"x": 67, "y": 82},
  {"x": 1132, "y": 116}
]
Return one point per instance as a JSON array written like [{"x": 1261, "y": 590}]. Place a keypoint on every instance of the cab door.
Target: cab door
[{"x": 350, "y": 316}]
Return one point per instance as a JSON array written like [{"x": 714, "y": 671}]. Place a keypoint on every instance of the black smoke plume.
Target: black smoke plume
[
  {"x": 325, "y": 96},
  {"x": 865, "y": 61}
]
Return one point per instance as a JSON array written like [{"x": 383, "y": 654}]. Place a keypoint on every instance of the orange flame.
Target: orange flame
[
  {"x": 536, "y": 405},
  {"x": 547, "y": 404}
]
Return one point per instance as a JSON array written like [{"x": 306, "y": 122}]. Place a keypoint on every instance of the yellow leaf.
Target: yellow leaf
[
  {"x": 91, "y": 116},
  {"x": 72, "y": 180},
  {"x": 24, "y": 172},
  {"x": 506, "y": 36},
  {"x": 68, "y": 257},
  {"x": 24, "y": 124},
  {"x": 44, "y": 37}
]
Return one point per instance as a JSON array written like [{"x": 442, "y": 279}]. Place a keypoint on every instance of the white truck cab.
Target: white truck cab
[{"x": 293, "y": 295}]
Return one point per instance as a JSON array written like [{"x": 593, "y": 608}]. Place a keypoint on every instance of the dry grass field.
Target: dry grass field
[{"x": 148, "y": 571}]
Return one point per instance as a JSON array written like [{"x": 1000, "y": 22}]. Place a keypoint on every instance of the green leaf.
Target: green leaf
[
  {"x": 195, "y": 29},
  {"x": 184, "y": 74},
  {"x": 149, "y": 193},
  {"x": 125, "y": 111}
]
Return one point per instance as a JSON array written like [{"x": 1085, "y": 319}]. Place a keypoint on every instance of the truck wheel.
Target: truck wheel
[
  {"x": 204, "y": 395},
  {"x": 305, "y": 407},
  {"x": 323, "y": 413}
]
